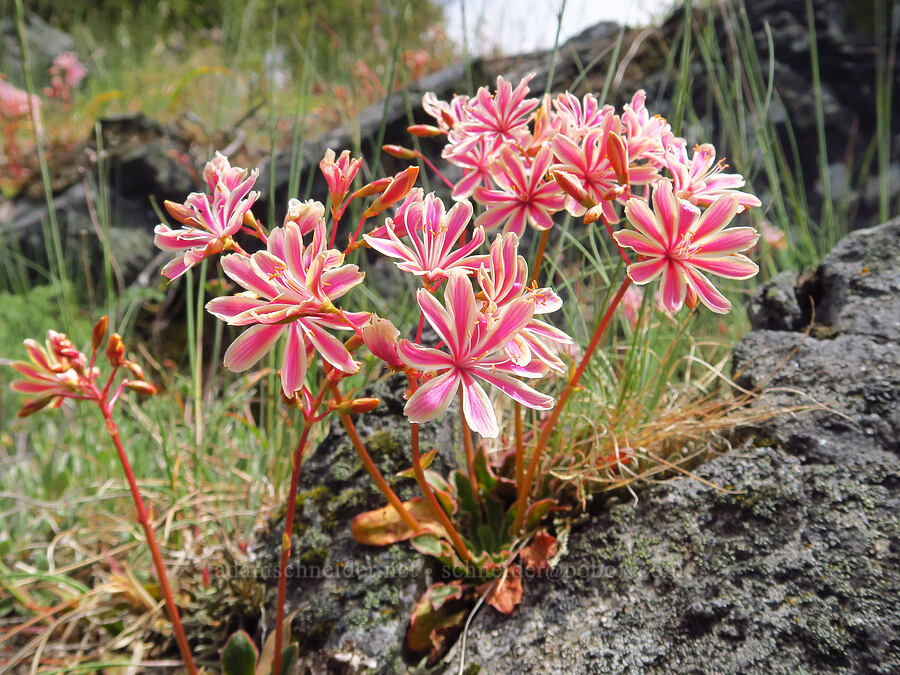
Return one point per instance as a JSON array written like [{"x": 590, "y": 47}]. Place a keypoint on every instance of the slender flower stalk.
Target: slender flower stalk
[
  {"x": 371, "y": 467},
  {"x": 458, "y": 544},
  {"x": 549, "y": 423},
  {"x": 144, "y": 521},
  {"x": 61, "y": 371},
  {"x": 289, "y": 527},
  {"x": 539, "y": 256}
]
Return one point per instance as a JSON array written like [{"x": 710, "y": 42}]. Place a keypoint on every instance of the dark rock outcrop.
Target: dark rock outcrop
[
  {"x": 353, "y": 602},
  {"x": 792, "y": 567},
  {"x": 784, "y": 560}
]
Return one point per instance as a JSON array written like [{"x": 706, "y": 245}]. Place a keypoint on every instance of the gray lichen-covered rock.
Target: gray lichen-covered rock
[
  {"x": 352, "y": 602},
  {"x": 774, "y": 305},
  {"x": 793, "y": 564},
  {"x": 783, "y": 559}
]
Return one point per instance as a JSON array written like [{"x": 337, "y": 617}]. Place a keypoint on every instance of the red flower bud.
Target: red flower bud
[
  {"x": 424, "y": 130},
  {"x": 141, "y": 387},
  {"x": 399, "y": 151},
  {"x": 617, "y": 154},
  {"x": 115, "y": 350},
  {"x": 99, "y": 332}
]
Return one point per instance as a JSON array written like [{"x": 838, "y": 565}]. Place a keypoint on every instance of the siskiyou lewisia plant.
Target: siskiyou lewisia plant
[{"x": 524, "y": 163}]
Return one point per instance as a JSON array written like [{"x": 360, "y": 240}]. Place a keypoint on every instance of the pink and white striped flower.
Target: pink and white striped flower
[
  {"x": 503, "y": 279},
  {"x": 474, "y": 353},
  {"x": 701, "y": 180},
  {"x": 339, "y": 174},
  {"x": 497, "y": 118},
  {"x": 646, "y": 135},
  {"x": 579, "y": 116},
  {"x": 432, "y": 235},
  {"x": 290, "y": 291},
  {"x": 49, "y": 377},
  {"x": 447, "y": 115},
  {"x": 210, "y": 224},
  {"x": 476, "y": 161},
  {"x": 588, "y": 163},
  {"x": 679, "y": 244},
  {"x": 525, "y": 196}
]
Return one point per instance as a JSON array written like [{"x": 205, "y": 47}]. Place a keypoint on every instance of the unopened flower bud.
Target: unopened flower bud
[
  {"x": 381, "y": 338},
  {"x": 398, "y": 188},
  {"x": 141, "y": 387},
  {"x": 135, "y": 369},
  {"x": 448, "y": 118},
  {"x": 357, "y": 406},
  {"x": 33, "y": 405},
  {"x": 617, "y": 154},
  {"x": 305, "y": 214},
  {"x": 399, "y": 151},
  {"x": 115, "y": 350},
  {"x": 573, "y": 187},
  {"x": 99, "y": 332},
  {"x": 373, "y": 188},
  {"x": 690, "y": 298},
  {"x": 424, "y": 130},
  {"x": 179, "y": 212},
  {"x": 593, "y": 214}
]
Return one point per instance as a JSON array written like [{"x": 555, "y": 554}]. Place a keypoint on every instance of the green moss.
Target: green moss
[{"x": 313, "y": 557}]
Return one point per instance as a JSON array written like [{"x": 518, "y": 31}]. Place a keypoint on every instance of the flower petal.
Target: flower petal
[
  {"x": 647, "y": 270},
  {"x": 734, "y": 266},
  {"x": 331, "y": 349},
  {"x": 423, "y": 358},
  {"x": 432, "y": 399},
  {"x": 515, "y": 389},
  {"x": 477, "y": 408},
  {"x": 293, "y": 364},
  {"x": 250, "y": 346}
]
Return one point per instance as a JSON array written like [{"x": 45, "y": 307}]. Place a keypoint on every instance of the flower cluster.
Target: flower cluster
[
  {"x": 526, "y": 159},
  {"x": 58, "y": 370},
  {"x": 210, "y": 224}
]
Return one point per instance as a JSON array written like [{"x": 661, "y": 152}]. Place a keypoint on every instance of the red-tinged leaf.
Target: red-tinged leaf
[
  {"x": 507, "y": 594},
  {"x": 384, "y": 526},
  {"x": 536, "y": 556},
  {"x": 439, "y": 612}
]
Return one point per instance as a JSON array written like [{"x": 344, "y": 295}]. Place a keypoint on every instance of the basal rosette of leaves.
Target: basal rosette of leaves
[{"x": 524, "y": 160}]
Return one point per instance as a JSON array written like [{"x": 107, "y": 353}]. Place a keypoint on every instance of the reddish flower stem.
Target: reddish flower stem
[
  {"x": 520, "y": 445},
  {"x": 435, "y": 169},
  {"x": 370, "y": 466},
  {"x": 619, "y": 248},
  {"x": 461, "y": 550},
  {"x": 289, "y": 530},
  {"x": 145, "y": 523},
  {"x": 539, "y": 256},
  {"x": 571, "y": 384}
]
